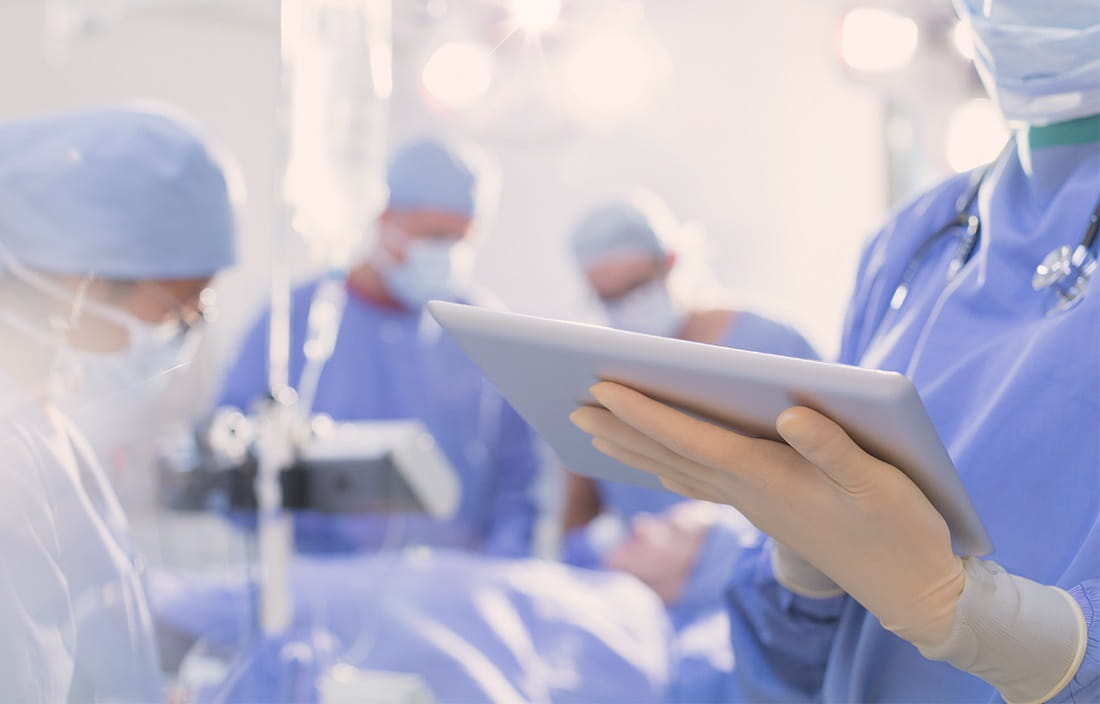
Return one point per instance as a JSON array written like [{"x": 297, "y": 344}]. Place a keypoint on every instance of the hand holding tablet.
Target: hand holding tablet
[
  {"x": 545, "y": 369},
  {"x": 859, "y": 520}
]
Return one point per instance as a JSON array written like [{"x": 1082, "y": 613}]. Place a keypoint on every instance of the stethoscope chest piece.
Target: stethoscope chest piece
[{"x": 1064, "y": 275}]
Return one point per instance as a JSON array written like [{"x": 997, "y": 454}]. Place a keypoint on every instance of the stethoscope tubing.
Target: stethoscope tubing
[{"x": 968, "y": 243}]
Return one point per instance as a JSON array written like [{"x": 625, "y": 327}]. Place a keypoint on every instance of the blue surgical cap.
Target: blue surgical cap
[
  {"x": 118, "y": 193},
  {"x": 429, "y": 175},
  {"x": 615, "y": 229}
]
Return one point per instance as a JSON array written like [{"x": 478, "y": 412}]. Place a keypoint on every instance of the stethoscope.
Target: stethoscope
[{"x": 1063, "y": 274}]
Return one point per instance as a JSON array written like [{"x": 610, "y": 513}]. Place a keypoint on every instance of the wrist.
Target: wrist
[{"x": 1024, "y": 638}]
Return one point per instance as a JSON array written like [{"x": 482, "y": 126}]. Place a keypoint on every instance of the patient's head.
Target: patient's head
[{"x": 661, "y": 550}]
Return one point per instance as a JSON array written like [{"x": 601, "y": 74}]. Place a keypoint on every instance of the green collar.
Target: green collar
[{"x": 1080, "y": 131}]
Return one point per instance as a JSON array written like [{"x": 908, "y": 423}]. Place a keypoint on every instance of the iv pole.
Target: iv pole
[{"x": 336, "y": 80}]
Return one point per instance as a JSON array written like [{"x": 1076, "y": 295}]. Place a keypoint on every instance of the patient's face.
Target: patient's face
[{"x": 661, "y": 549}]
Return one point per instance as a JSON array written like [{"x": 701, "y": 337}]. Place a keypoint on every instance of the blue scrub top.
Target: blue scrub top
[
  {"x": 747, "y": 331},
  {"x": 1015, "y": 396},
  {"x": 392, "y": 364}
]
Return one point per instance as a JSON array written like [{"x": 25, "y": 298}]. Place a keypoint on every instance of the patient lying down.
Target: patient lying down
[{"x": 649, "y": 627}]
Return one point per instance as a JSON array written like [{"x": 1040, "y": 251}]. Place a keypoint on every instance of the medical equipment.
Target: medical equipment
[
  {"x": 545, "y": 367},
  {"x": 361, "y": 467},
  {"x": 326, "y": 309},
  {"x": 1063, "y": 274},
  {"x": 1066, "y": 272},
  {"x": 336, "y": 69},
  {"x": 336, "y": 64}
]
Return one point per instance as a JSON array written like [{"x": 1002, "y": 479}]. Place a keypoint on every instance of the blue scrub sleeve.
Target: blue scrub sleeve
[
  {"x": 1085, "y": 686},
  {"x": 781, "y": 640},
  {"x": 246, "y": 379},
  {"x": 515, "y": 465}
]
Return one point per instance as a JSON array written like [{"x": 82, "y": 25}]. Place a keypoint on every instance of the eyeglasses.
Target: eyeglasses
[{"x": 184, "y": 316}]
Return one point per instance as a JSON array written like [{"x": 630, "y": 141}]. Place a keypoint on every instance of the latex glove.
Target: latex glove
[
  {"x": 842, "y": 517},
  {"x": 859, "y": 520},
  {"x": 799, "y": 576}
]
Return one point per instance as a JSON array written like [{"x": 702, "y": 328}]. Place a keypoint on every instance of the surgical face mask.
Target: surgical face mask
[
  {"x": 648, "y": 309},
  {"x": 153, "y": 351},
  {"x": 1039, "y": 59},
  {"x": 436, "y": 268}
]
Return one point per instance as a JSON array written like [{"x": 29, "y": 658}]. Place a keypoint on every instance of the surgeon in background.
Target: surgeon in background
[
  {"x": 112, "y": 223},
  {"x": 983, "y": 291},
  {"x": 392, "y": 361},
  {"x": 628, "y": 251}
]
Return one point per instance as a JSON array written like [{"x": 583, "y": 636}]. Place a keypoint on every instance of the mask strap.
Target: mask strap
[
  {"x": 49, "y": 338},
  {"x": 76, "y": 299}
]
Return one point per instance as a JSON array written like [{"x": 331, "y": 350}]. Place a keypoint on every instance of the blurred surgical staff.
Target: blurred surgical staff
[
  {"x": 112, "y": 223},
  {"x": 392, "y": 362},
  {"x": 627, "y": 251},
  {"x": 983, "y": 292}
]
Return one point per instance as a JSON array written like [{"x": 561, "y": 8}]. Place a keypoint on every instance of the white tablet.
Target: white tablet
[{"x": 545, "y": 367}]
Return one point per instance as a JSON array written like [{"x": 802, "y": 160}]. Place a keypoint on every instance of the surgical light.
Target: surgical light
[
  {"x": 877, "y": 40},
  {"x": 611, "y": 73},
  {"x": 458, "y": 74},
  {"x": 535, "y": 16},
  {"x": 975, "y": 134}
]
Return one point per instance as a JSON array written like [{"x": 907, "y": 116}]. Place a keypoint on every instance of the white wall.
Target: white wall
[{"x": 755, "y": 136}]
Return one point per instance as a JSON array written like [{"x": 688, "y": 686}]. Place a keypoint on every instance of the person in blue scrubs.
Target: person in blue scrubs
[
  {"x": 627, "y": 251},
  {"x": 112, "y": 223},
  {"x": 393, "y": 362},
  {"x": 858, "y": 596}
]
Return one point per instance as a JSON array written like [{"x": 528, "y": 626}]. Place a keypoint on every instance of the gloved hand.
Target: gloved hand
[
  {"x": 843, "y": 520},
  {"x": 799, "y": 576},
  {"x": 858, "y": 520}
]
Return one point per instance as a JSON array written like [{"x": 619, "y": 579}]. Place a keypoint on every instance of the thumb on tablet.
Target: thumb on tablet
[{"x": 825, "y": 444}]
